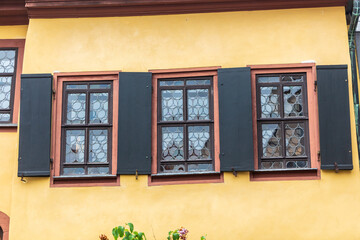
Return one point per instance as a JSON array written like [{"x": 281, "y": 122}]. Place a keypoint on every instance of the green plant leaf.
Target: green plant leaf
[
  {"x": 131, "y": 226},
  {"x": 121, "y": 231},
  {"x": 176, "y": 236},
  {"x": 115, "y": 233},
  {"x": 203, "y": 238},
  {"x": 141, "y": 235},
  {"x": 127, "y": 234}
]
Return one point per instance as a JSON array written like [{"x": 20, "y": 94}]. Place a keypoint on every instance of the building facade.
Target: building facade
[{"x": 231, "y": 118}]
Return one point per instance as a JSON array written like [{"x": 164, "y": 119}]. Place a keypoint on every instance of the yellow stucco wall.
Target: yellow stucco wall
[
  {"x": 238, "y": 209},
  {"x": 8, "y": 139}
]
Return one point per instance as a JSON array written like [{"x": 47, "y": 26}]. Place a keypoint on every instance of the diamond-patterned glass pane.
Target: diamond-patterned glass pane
[
  {"x": 200, "y": 167},
  {"x": 99, "y": 104},
  {"x": 295, "y": 139},
  {"x": 5, "y": 92},
  {"x": 172, "y": 105},
  {"x": 297, "y": 164},
  {"x": 272, "y": 165},
  {"x": 198, "y": 104},
  {"x": 98, "y": 170},
  {"x": 76, "y": 108},
  {"x": 7, "y": 61},
  {"x": 292, "y": 78},
  {"x": 293, "y": 101},
  {"x": 98, "y": 147},
  {"x": 269, "y": 100},
  {"x": 171, "y": 168},
  {"x": 4, "y": 117},
  {"x": 74, "y": 171},
  {"x": 75, "y": 145},
  {"x": 172, "y": 144},
  {"x": 271, "y": 140},
  {"x": 199, "y": 143}
]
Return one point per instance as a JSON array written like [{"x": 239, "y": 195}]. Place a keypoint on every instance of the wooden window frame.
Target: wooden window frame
[
  {"x": 18, "y": 45},
  {"x": 58, "y": 180},
  {"x": 5, "y": 225},
  {"x": 313, "y": 172},
  {"x": 184, "y": 178}
]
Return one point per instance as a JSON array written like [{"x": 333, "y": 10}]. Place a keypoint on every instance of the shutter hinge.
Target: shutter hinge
[
  {"x": 336, "y": 167},
  {"x": 234, "y": 172},
  {"x": 318, "y": 156},
  {"x": 136, "y": 175},
  {"x": 315, "y": 85},
  {"x": 53, "y": 93},
  {"x": 51, "y": 163}
]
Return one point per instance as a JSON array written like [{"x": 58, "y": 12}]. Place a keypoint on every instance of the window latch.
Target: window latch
[
  {"x": 234, "y": 172},
  {"x": 315, "y": 85},
  {"x": 336, "y": 167}
]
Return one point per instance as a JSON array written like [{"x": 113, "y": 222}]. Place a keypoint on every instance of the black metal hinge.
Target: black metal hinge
[{"x": 315, "y": 86}]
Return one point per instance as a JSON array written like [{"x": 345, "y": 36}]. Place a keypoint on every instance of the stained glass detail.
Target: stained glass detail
[
  {"x": 76, "y": 86},
  {"x": 75, "y": 146},
  {"x": 268, "y": 79},
  {"x": 100, "y": 86},
  {"x": 99, "y": 107},
  {"x": 172, "y": 168},
  {"x": 198, "y": 104},
  {"x": 98, "y": 146},
  {"x": 292, "y": 78},
  {"x": 171, "y": 83},
  {"x": 98, "y": 170},
  {"x": 199, "y": 142},
  {"x": 271, "y": 140},
  {"x": 7, "y": 61},
  {"x": 198, "y": 82},
  {"x": 172, "y": 105},
  {"x": 293, "y": 101},
  {"x": 295, "y": 139},
  {"x": 269, "y": 100},
  {"x": 5, "y": 92},
  {"x": 76, "y": 108},
  {"x": 74, "y": 171},
  {"x": 4, "y": 117},
  {"x": 172, "y": 144},
  {"x": 297, "y": 164},
  {"x": 272, "y": 165},
  {"x": 200, "y": 167}
]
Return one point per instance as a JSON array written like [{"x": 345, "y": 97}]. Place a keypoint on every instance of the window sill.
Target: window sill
[
  {"x": 85, "y": 181},
  {"x": 185, "y": 178},
  {"x": 8, "y": 125},
  {"x": 285, "y": 174}
]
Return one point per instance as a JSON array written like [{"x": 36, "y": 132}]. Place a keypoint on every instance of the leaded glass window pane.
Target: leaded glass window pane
[
  {"x": 98, "y": 146},
  {"x": 185, "y": 125},
  {"x": 282, "y": 121},
  {"x": 99, "y": 104},
  {"x": 76, "y": 108},
  {"x": 7, "y": 61},
  {"x": 75, "y": 146}
]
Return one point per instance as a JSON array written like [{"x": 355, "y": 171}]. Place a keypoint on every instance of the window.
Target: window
[
  {"x": 285, "y": 122},
  {"x": 282, "y": 120},
  {"x": 85, "y": 129},
  {"x": 185, "y": 131},
  {"x": 4, "y": 226},
  {"x": 11, "y": 55},
  {"x": 185, "y": 124}
]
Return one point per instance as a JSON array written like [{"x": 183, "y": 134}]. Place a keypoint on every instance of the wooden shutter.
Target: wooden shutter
[
  {"x": 134, "y": 137},
  {"x": 235, "y": 111},
  {"x": 35, "y": 125},
  {"x": 334, "y": 117}
]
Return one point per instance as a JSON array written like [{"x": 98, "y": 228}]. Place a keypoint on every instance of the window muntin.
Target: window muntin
[
  {"x": 185, "y": 125},
  {"x": 86, "y": 128},
  {"x": 8, "y": 62},
  {"x": 282, "y": 121}
]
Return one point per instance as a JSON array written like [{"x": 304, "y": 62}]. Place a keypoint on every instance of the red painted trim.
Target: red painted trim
[
  {"x": 5, "y": 225},
  {"x": 59, "y": 79},
  {"x": 185, "y": 179},
  {"x": 20, "y": 45},
  {"x": 310, "y": 70},
  {"x": 110, "y": 8},
  {"x": 13, "y": 13}
]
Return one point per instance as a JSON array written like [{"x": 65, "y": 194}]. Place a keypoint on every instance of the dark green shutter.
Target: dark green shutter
[
  {"x": 235, "y": 112},
  {"x": 35, "y": 125},
  {"x": 334, "y": 117},
  {"x": 134, "y": 137}
]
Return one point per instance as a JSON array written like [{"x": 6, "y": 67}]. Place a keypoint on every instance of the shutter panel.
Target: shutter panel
[
  {"x": 35, "y": 125},
  {"x": 235, "y": 112},
  {"x": 134, "y": 137},
  {"x": 334, "y": 117}
]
